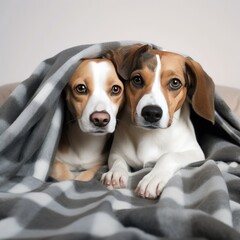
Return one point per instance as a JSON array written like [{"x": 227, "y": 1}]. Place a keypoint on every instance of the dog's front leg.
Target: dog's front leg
[
  {"x": 88, "y": 174},
  {"x": 117, "y": 176},
  {"x": 61, "y": 172},
  {"x": 153, "y": 183}
]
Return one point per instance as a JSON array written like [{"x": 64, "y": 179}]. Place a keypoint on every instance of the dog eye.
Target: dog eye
[
  {"x": 137, "y": 82},
  {"x": 81, "y": 89},
  {"x": 174, "y": 84},
  {"x": 116, "y": 90}
]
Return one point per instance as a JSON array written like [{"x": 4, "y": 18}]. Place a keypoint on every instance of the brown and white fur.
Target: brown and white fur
[
  {"x": 94, "y": 95},
  {"x": 155, "y": 129}
]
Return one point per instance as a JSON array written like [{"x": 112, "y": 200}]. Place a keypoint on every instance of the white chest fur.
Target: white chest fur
[
  {"x": 84, "y": 150},
  {"x": 141, "y": 147}
]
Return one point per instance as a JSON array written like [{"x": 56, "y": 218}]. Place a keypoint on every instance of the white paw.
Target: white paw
[
  {"x": 115, "y": 178},
  {"x": 152, "y": 185}
]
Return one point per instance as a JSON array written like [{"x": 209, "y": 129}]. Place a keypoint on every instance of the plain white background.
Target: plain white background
[{"x": 207, "y": 30}]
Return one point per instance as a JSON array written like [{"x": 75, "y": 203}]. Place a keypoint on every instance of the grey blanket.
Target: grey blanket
[{"x": 202, "y": 201}]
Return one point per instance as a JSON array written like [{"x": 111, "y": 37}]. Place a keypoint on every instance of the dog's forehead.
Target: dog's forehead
[
  {"x": 100, "y": 66},
  {"x": 94, "y": 70},
  {"x": 95, "y": 65},
  {"x": 168, "y": 60},
  {"x": 172, "y": 58},
  {"x": 147, "y": 59}
]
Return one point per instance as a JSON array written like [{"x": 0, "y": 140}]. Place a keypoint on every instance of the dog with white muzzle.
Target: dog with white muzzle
[
  {"x": 155, "y": 128},
  {"x": 94, "y": 96}
]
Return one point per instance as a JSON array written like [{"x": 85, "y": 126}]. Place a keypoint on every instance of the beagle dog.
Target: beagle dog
[
  {"x": 94, "y": 95},
  {"x": 155, "y": 129}
]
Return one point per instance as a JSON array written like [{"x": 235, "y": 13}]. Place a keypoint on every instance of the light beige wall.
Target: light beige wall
[{"x": 207, "y": 30}]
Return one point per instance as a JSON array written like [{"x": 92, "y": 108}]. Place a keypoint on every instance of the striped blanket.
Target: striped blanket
[{"x": 201, "y": 201}]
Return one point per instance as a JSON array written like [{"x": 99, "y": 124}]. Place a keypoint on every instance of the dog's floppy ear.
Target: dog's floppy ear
[
  {"x": 125, "y": 58},
  {"x": 201, "y": 90}
]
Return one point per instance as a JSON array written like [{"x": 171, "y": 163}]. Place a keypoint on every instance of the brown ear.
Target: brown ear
[
  {"x": 124, "y": 58},
  {"x": 201, "y": 90}
]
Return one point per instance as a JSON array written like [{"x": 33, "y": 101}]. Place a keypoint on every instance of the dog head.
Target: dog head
[
  {"x": 157, "y": 84},
  {"x": 94, "y": 95}
]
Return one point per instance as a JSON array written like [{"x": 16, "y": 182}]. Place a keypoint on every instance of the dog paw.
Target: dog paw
[
  {"x": 115, "y": 178},
  {"x": 152, "y": 185}
]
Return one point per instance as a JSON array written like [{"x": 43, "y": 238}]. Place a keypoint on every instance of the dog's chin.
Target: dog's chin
[
  {"x": 99, "y": 132},
  {"x": 150, "y": 126},
  {"x": 96, "y": 131},
  {"x": 93, "y": 130}
]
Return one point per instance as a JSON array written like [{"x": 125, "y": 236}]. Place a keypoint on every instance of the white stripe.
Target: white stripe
[
  {"x": 44, "y": 93},
  {"x": 11, "y": 228},
  {"x": 215, "y": 183},
  {"x": 41, "y": 168},
  {"x": 158, "y": 95},
  {"x": 42, "y": 164},
  {"x": 224, "y": 215},
  {"x": 155, "y": 97},
  {"x": 93, "y": 224},
  {"x": 19, "y": 188},
  {"x": 156, "y": 83},
  {"x": 47, "y": 201}
]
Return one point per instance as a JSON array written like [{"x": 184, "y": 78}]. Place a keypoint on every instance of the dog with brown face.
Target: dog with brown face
[
  {"x": 155, "y": 129},
  {"x": 94, "y": 96}
]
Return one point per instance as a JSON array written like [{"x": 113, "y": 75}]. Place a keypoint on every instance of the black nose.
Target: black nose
[
  {"x": 152, "y": 113},
  {"x": 100, "y": 119}
]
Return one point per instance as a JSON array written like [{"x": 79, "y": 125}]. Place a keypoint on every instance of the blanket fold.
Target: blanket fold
[{"x": 201, "y": 201}]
